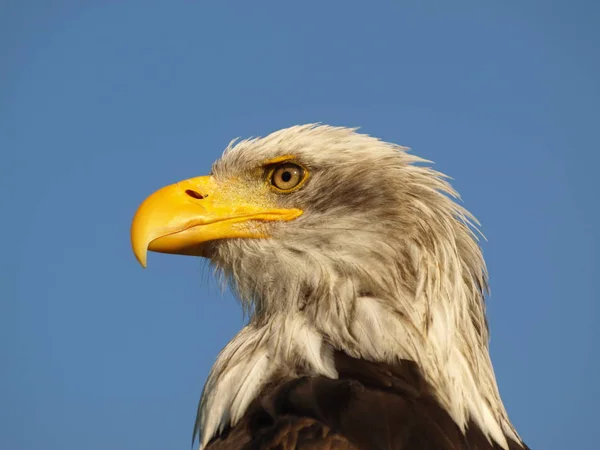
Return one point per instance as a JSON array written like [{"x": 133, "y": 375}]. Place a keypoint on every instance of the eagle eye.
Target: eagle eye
[{"x": 287, "y": 176}]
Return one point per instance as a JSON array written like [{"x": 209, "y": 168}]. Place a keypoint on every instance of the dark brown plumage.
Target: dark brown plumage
[{"x": 362, "y": 409}]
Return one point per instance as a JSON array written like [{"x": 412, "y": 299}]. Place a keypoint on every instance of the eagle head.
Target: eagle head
[{"x": 334, "y": 241}]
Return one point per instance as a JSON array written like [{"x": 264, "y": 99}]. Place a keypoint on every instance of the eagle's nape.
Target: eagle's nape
[{"x": 366, "y": 289}]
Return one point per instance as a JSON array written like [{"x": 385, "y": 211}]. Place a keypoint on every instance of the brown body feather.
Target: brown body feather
[{"x": 371, "y": 406}]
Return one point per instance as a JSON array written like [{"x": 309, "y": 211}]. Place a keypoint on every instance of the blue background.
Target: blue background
[{"x": 103, "y": 102}]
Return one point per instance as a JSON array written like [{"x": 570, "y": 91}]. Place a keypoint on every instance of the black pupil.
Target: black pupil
[{"x": 286, "y": 176}]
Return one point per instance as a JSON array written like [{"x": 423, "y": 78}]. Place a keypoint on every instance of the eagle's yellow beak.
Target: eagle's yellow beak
[{"x": 180, "y": 217}]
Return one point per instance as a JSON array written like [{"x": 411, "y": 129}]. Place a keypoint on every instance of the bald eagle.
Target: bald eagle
[{"x": 365, "y": 288}]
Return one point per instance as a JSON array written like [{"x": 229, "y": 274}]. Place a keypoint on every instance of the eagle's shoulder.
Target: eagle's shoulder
[{"x": 370, "y": 406}]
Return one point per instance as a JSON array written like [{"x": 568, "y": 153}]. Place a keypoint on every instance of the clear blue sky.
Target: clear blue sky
[{"x": 102, "y": 102}]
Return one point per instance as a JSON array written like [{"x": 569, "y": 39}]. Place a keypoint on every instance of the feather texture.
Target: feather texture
[
  {"x": 370, "y": 406},
  {"x": 384, "y": 266}
]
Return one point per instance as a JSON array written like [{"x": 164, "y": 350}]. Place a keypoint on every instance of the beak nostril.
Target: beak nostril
[{"x": 195, "y": 194}]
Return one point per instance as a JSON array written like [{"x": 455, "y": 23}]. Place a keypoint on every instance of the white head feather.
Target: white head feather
[{"x": 383, "y": 264}]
